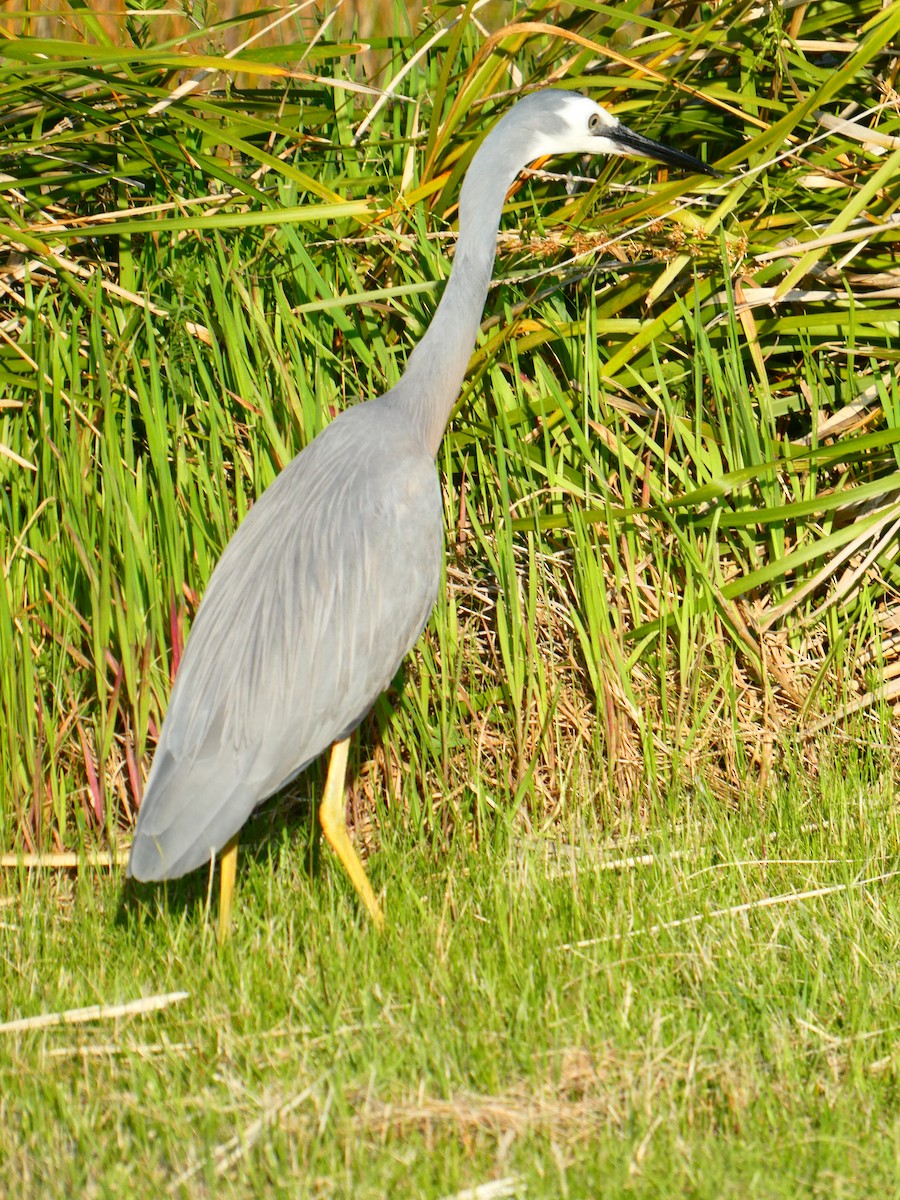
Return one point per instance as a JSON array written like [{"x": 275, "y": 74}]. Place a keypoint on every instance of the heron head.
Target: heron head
[{"x": 568, "y": 123}]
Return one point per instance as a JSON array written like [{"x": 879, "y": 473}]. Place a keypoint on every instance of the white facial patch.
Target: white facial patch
[
  {"x": 578, "y": 110},
  {"x": 577, "y": 129}
]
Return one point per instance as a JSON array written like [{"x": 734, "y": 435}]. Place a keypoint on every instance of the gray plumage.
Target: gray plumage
[{"x": 331, "y": 577}]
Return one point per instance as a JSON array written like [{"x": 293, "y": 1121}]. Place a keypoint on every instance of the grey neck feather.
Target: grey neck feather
[{"x": 434, "y": 373}]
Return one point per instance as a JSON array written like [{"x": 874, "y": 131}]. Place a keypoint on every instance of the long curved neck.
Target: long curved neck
[{"x": 434, "y": 373}]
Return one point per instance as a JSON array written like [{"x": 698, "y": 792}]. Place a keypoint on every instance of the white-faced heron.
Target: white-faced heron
[{"x": 331, "y": 577}]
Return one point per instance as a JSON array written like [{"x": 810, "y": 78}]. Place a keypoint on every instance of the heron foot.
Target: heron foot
[{"x": 333, "y": 819}]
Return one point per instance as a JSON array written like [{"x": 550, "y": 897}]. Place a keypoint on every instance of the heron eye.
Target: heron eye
[{"x": 594, "y": 122}]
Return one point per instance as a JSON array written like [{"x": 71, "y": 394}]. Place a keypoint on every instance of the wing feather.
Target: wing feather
[{"x": 319, "y": 595}]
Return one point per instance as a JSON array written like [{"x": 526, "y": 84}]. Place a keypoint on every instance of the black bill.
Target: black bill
[{"x": 644, "y": 147}]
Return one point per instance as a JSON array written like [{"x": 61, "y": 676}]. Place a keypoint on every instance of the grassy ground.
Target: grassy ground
[
  {"x": 653, "y": 710},
  {"x": 707, "y": 1009}
]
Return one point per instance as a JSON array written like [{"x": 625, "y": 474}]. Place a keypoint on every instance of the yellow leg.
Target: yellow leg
[
  {"x": 227, "y": 869},
  {"x": 333, "y": 818}
]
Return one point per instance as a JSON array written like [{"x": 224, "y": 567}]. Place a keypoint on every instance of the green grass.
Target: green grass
[
  {"x": 668, "y": 629},
  {"x": 685, "y": 1049},
  {"x": 685, "y": 500}
]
